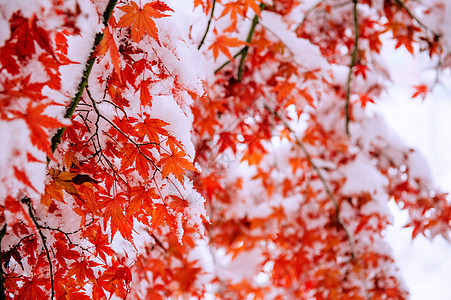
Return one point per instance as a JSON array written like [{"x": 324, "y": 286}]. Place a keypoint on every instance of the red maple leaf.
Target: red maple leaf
[
  {"x": 140, "y": 156},
  {"x": 82, "y": 270},
  {"x": 115, "y": 214},
  {"x": 141, "y": 197},
  {"x": 34, "y": 288}
]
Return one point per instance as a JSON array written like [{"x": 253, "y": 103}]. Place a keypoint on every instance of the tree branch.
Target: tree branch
[
  {"x": 56, "y": 139},
  {"x": 229, "y": 61},
  {"x": 320, "y": 176},
  {"x": 27, "y": 201},
  {"x": 353, "y": 59},
  {"x": 208, "y": 25},
  {"x": 403, "y": 6},
  {"x": 67, "y": 234},
  {"x": 248, "y": 40},
  {"x": 2, "y": 275}
]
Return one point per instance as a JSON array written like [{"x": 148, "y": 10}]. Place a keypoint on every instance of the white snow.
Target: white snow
[
  {"x": 423, "y": 124},
  {"x": 361, "y": 176}
]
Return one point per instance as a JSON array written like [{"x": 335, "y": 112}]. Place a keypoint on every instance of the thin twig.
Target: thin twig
[
  {"x": 208, "y": 25},
  {"x": 158, "y": 242},
  {"x": 96, "y": 134},
  {"x": 307, "y": 14},
  {"x": 27, "y": 201},
  {"x": 401, "y": 4},
  {"x": 133, "y": 142},
  {"x": 351, "y": 66},
  {"x": 67, "y": 234}
]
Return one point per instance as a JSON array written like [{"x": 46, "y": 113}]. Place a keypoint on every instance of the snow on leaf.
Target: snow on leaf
[
  {"x": 108, "y": 44},
  {"x": 37, "y": 122}
]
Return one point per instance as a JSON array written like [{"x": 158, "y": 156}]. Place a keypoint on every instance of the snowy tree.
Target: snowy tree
[{"x": 208, "y": 148}]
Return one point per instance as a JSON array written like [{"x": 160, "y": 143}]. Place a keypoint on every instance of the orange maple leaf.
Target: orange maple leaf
[
  {"x": 206, "y": 4},
  {"x": 151, "y": 128},
  {"x": 364, "y": 99},
  {"x": 82, "y": 270},
  {"x": 145, "y": 96},
  {"x": 239, "y": 8},
  {"x": 141, "y": 197},
  {"x": 141, "y": 19},
  {"x": 186, "y": 275},
  {"x": 176, "y": 164},
  {"x": 222, "y": 44},
  {"x": 159, "y": 215},
  {"x": 115, "y": 213},
  {"x": 141, "y": 157},
  {"x": 173, "y": 143},
  {"x": 64, "y": 180},
  {"x": 178, "y": 204}
]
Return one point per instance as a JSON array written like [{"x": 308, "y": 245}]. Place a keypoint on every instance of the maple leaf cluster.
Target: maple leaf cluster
[{"x": 205, "y": 148}]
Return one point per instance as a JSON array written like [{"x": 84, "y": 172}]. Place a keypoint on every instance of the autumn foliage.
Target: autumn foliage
[{"x": 207, "y": 148}]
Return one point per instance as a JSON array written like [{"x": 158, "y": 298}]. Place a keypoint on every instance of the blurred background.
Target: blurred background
[{"x": 424, "y": 124}]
